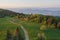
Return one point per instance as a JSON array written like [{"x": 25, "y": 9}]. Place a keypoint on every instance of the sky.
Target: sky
[{"x": 29, "y": 3}]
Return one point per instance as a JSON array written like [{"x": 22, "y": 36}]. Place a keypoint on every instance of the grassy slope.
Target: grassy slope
[
  {"x": 32, "y": 28},
  {"x": 4, "y": 24}
]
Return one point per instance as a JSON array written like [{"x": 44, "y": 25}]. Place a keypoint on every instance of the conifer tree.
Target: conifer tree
[{"x": 17, "y": 35}]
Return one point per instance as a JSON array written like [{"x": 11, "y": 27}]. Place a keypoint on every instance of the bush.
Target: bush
[
  {"x": 41, "y": 36},
  {"x": 43, "y": 27}
]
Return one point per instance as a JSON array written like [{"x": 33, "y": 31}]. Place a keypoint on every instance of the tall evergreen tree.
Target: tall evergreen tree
[{"x": 17, "y": 35}]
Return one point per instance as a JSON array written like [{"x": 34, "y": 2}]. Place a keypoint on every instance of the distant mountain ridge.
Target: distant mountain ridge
[{"x": 44, "y": 11}]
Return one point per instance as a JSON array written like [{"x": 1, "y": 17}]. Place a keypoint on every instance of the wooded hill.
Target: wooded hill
[{"x": 35, "y": 18}]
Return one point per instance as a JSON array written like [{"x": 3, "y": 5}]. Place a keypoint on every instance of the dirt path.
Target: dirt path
[{"x": 25, "y": 32}]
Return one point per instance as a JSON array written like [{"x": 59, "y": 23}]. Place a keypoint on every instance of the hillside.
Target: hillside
[
  {"x": 4, "y": 12},
  {"x": 37, "y": 26},
  {"x": 37, "y": 18}
]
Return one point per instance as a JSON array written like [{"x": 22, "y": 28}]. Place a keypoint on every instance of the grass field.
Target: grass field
[
  {"x": 32, "y": 28},
  {"x": 4, "y": 25}
]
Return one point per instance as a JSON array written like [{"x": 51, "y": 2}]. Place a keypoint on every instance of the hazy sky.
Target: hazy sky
[{"x": 29, "y": 3}]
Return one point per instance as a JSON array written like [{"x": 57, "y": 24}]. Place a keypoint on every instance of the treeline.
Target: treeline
[
  {"x": 37, "y": 18},
  {"x": 44, "y": 20},
  {"x": 4, "y": 13}
]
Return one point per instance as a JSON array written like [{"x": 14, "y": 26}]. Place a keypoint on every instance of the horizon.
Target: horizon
[{"x": 29, "y": 3}]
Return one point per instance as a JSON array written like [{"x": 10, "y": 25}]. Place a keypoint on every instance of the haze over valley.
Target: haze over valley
[{"x": 44, "y": 11}]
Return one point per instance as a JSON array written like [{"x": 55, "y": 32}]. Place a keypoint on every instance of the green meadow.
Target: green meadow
[
  {"x": 32, "y": 28},
  {"x": 6, "y": 25}
]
